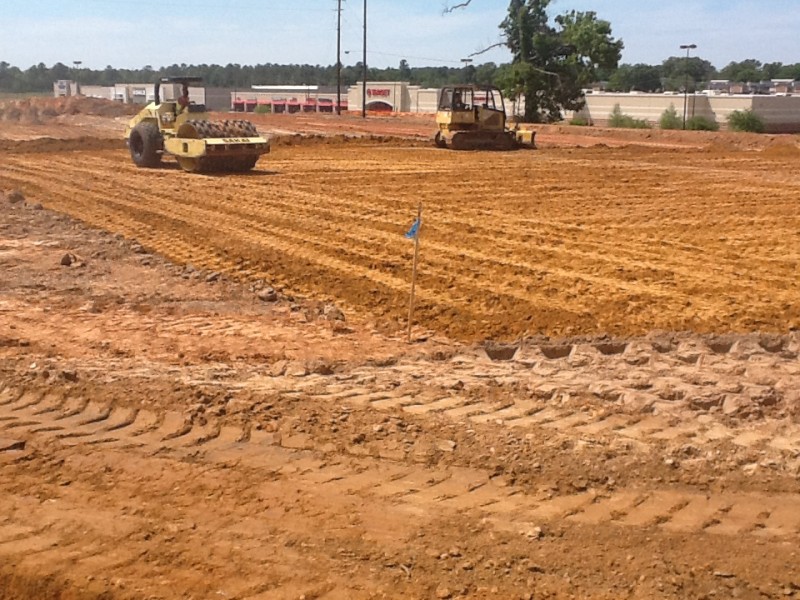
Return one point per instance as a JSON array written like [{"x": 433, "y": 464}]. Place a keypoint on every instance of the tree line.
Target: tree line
[{"x": 671, "y": 75}]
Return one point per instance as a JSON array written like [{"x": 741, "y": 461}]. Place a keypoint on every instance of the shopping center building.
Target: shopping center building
[
  {"x": 383, "y": 96},
  {"x": 778, "y": 106}
]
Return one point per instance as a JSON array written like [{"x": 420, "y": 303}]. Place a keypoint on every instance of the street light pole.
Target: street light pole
[
  {"x": 686, "y": 47},
  {"x": 339, "y": 59},
  {"x": 364, "y": 83},
  {"x": 75, "y": 65},
  {"x": 466, "y": 62}
]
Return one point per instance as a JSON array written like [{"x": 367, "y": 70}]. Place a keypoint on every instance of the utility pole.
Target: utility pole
[
  {"x": 467, "y": 62},
  {"x": 686, "y": 47},
  {"x": 339, "y": 58},
  {"x": 364, "y": 83}
]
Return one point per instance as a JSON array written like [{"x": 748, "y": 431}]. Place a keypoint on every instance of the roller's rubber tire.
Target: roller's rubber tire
[
  {"x": 242, "y": 164},
  {"x": 146, "y": 145}
]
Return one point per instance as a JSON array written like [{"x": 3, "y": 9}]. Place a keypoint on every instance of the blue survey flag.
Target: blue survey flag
[{"x": 414, "y": 231}]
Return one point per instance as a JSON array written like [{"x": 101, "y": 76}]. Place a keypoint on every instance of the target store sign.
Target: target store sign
[{"x": 378, "y": 93}]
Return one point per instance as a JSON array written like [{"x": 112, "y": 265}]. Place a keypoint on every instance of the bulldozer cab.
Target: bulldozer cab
[
  {"x": 473, "y": 117},
  {"x": 459, "y": 104},
  {"x": 470, "y": 106},
  {"x": 466, "y": 98}
]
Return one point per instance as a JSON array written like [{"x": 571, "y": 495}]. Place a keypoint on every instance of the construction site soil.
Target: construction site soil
[{"x": 206, "y": 389}]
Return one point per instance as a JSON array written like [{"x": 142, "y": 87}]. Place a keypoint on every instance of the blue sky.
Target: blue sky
[{"x": 126, "y": 33}]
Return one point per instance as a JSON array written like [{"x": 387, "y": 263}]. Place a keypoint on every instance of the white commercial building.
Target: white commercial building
[
  {"x": 382, "y": 96},
  {"x": 781, "y": 114},
  {"x": 779, "y": 111}
]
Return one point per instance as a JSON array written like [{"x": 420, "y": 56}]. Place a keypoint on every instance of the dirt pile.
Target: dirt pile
[
  {"x": 283, "y": 140},
  {"x": 782, "y": 150},
  {"x": 48, "y": 144},
  {"x": 39, "y": 110}
]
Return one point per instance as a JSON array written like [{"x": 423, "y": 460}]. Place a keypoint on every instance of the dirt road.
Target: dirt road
[{"x": 171, "y": 427}]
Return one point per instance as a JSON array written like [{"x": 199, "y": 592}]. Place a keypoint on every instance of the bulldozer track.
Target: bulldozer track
[{"x": 407, "y": 488}]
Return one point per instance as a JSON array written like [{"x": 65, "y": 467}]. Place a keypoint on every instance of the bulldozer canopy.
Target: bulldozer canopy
[{"x": 458, "y": 98}]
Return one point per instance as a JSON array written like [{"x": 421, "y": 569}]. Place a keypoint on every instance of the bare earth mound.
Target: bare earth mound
[{"x": 38, "y": 109}]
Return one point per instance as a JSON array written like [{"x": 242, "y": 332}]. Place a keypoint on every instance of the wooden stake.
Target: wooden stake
[{"x": 414, "y": 271}]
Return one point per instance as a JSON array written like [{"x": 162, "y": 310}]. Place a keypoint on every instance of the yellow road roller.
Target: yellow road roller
[{"x": 182, "y": 129}]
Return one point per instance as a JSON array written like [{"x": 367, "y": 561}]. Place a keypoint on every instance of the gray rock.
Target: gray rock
[
  {"x": 733, "y": 404},
  {"x": 446, "y": 445},
  {"x": 332, "y": 313},
  {"x": 321, "y": 367},
  {"x": 296, "y": 369},
  {"x": 69, "y": 376},
  {"x": 443, "y": 593},
  {"x": 268, "y": 295},
  {"x": 15, "y": 197},
  {"x": 278, "y": 369},
  {"x": 500, "y": 352}
]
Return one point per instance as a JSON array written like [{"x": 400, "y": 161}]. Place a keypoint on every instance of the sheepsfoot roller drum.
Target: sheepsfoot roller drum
[
  {"x": 205, "y": 146},
  {"x": 180, "y": 127}
]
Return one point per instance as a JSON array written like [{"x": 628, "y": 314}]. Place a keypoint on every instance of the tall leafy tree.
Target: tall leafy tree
[
  {"x": 679, "y": 71},
  {"x": 745, "y": 71},
  {"x": 639, "y": 77},
  {"x": 554, "y": 60}
]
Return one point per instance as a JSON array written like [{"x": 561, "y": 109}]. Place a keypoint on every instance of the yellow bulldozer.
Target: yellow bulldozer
[
  {"x": 182, "y": 129},
  {"x": 472, "y": 117}
]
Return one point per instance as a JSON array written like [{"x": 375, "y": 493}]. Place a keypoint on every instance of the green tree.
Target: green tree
[
  {"x": 678, "y": 71},
  {"x": 772, "y": 70},
  {"x": 485, "y": 73},
  {"x": 404, "y": 70},
  {"x": 670, "y": 119},
  {"x": 744, "y": 71},
  {"x": 790, "y": 72},
  {"x": 745, "y": 120},
  {"x": 701, "y": 123},
  {"x": 618, "y": 119},
  {"x": 552, "y": 63},
  {"x": 640, "y": 77}
]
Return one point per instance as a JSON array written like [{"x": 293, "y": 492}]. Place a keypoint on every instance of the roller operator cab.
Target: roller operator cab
[
  {"x": 471, "y": 117},
  {"x": 182, "y": 128}
]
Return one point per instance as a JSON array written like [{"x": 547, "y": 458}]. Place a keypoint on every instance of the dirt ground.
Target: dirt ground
[{"x": 206, "y": 391}]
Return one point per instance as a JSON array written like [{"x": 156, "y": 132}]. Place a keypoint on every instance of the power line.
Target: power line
[{"x": 439, "y": 60}]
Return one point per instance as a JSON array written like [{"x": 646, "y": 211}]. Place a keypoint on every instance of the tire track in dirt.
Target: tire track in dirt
[
  {"x": 339, "y": 238},
  {"x": 75, "y": 422},
  {"x": 399, "y": 285},
  {"x": 497, "y": 235},
  {"x": 567, "y": 274},
  {"x": 180, "y": 216}
]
